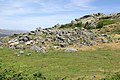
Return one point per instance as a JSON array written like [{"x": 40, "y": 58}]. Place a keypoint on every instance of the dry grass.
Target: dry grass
[{"x": 111, "y": 46}]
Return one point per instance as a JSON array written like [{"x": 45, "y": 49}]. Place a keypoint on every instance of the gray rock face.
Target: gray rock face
[{"x": 70, "y": 50}]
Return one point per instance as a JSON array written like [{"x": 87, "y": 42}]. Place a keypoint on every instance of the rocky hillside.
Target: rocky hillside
[
  {"x": 92, "y": 21},
  {"x": 88, "y": 30}
]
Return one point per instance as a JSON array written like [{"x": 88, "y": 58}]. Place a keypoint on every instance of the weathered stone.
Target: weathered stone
[
  {"x": 63, "y": 45},
  {"x": 56, "y": 47},
  {"x": 104, "y": 40},
  {"x": 38, "y": 49},
  {"x": 29, "y": 42},
  {"x": 14, "y": 44},
  {"x": 70, "y": 50}
]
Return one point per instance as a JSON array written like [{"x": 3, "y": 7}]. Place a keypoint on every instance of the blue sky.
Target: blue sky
[{"x": 29, "y": 14}]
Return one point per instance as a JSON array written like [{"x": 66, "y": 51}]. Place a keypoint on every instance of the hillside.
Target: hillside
[
  {"x": 87, "y": 48},
  {"x": 88, "y": 30}
]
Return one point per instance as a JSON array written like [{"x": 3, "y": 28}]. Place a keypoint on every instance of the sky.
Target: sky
[{"x": 30, "y": 14}]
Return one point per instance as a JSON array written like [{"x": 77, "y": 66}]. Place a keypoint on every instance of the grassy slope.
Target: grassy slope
[{"x": 57, "y": 64}]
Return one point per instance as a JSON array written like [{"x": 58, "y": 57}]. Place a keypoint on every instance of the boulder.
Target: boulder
[
  {"x": 14, "y": 44},
  {"x": 70, "y": 50},
  {"x": 29, "y": 42},
  {"x": 104, "y": 40},
  {"x": 38, "y": 49}
]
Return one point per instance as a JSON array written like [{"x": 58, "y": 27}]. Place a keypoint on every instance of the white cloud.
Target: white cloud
[
  {"x": 30, "y": 23},
  {"x": 80, "y": 4},
  {"x": 32, "y": 12},
  {"x": 42, "y": 6}
]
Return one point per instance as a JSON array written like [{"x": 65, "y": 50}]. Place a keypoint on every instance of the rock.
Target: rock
[
  {"x": 70, "y": 50},
  {"x": 1, "y": 43},
  {"x": 18, "y": 55},
  {"x": 38, "y": 49},
  {"x": 63, "y": 45},
  {"x": 21, "y": 52},
  {"x": 57, "y": 26},
  {"x": 20, "y": 46},
  {"x": 104, "y": 40},
  {"x": 29, "y": 42},
  {"x": 14, "y": 44},
  {"x": 104, "y": 35},
  {"x": 24, "y": 38},
  {"x": 28, "y": 54},
  {"x": 56, "y": 47}
]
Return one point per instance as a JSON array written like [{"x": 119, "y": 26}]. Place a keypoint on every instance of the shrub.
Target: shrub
[
  {"x": 10, "y": 74},
  {"x": 102, "y": 23}
]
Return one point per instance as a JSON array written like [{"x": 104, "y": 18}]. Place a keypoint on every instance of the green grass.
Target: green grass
[
  {"x": 104, "y": 22},
  {"x": 57, "y": 65}
]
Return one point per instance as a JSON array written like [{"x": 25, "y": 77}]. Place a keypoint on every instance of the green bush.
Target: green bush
[
  {"x": 10, "y": 74},
  {"x": 102, "y": 23}
]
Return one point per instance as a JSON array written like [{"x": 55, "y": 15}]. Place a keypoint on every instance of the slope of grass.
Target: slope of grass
[{"x": 57, "y": 65}]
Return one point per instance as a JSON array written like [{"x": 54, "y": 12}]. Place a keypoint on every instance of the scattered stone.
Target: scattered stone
[
  {"x": 19, "y": 53},
  {"x": 28, "y": 54}
]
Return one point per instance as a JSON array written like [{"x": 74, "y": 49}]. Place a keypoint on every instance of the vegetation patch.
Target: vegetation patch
[
  {"x": 104, "y": 22},
  {"x": 72, "y": 25}
]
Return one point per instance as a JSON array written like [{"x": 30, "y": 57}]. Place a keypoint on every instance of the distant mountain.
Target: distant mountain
[{"x": 4, "y": 32}]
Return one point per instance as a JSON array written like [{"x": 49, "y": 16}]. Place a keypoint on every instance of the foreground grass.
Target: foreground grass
[{"x": 57, "y": 65}]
